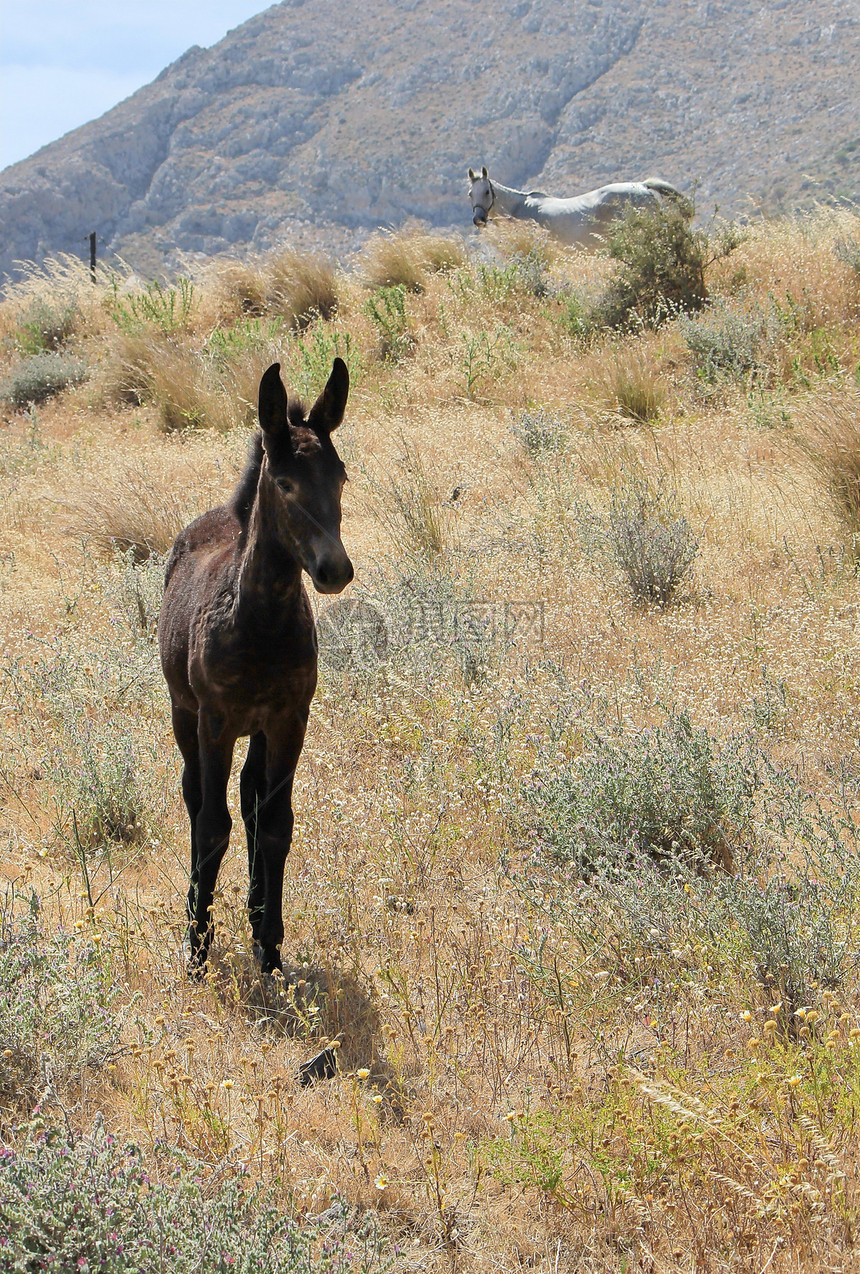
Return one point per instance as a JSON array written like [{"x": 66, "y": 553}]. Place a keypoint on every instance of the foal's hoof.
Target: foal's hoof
[
  {"x": 195, "y": 961},
  {"x": 322, "y": 1066},
  {"x": 269, "y": 961}
]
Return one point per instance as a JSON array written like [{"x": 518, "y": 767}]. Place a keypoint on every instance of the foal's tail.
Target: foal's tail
[{"x": 685, "y": 205}]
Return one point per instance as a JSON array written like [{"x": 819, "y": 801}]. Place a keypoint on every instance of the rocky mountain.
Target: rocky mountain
[{"x": 319, "y": 120}]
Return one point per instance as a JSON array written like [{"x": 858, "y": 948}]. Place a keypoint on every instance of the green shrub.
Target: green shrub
[
  {"x": 660, "y": 268},
  {"x": 485, "y": 356},
  {"x": 523, "y": 273},
  {"x": 71, "y": 1203},
  {"x": 41, "y": 377},
  {"x": 311, "y": 358},
  {"x": 248, "y": 336},
  {"x": 167, "y": 309},
  {"x": 386, "y": 309},
  {"x": 579, "y": 318},
  {"x": 47, "y": 325}
]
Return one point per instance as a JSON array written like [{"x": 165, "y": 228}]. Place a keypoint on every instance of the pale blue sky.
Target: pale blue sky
[{"x": 64, "y": 62}]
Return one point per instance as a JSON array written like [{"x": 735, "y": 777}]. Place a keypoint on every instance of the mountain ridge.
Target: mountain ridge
[{"x": 317, "y": 121}]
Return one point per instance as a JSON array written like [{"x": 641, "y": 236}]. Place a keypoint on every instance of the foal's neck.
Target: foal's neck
[{"x": 269, "y": 576}]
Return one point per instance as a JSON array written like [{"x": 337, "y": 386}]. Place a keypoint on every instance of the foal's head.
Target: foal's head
[
  {"x": 308, "y": 475},
  {"x": 482, "y": 196}
]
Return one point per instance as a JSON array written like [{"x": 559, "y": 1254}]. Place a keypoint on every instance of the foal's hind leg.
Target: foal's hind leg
[
  {"x": 185, "y": 730},
  {"x": 252, "y": 789}
]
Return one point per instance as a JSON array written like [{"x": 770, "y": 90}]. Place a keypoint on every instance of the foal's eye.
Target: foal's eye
[{"x": 285, "y": 484}]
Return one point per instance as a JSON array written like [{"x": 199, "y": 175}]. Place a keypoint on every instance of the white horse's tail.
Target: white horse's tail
[{"x": 667, "y": 191}]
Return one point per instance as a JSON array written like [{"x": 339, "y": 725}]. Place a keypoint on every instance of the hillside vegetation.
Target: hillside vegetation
[{"x": 573, "y": 893}]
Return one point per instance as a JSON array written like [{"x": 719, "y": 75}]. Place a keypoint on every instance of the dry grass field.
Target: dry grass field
[{"x": 573, "y": 889}]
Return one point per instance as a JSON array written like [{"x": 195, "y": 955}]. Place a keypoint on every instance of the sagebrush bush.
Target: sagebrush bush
[
  {"x": 40, "y": 377},
  {"x": 726, "y": 340},
  {"x": 540, "y": 432},
  {"x": 73, "y": 1203},
  {"x": 103, "y": 794},
  {"x": 53, "y": 301},
  {"x": 56, "y": 1010},
  {"x": 669, "y": 792},
  {"x": 419, "y": 623},
  {"x": 652, "y": 542},
  {"x": 645, "y": 534},
  {"x": 633, "y": 822},
  {"x": 47, "y": 323}
]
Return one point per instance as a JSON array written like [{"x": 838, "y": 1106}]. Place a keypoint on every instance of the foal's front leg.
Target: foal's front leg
[
  {"x": 252, "y": 790},
  {"x": 274, "y": 836},
  {"x": 213, "y": 827}
]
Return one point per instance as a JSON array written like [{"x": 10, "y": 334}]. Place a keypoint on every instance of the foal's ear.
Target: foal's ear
[
  {"x": 327, "y": 412},
  {"x": 484, "y": 173},
  {"x": 473, "y": 176},
  {"x": 272, "y": 403}
]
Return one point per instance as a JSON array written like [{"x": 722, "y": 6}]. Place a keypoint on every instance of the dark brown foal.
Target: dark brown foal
[{"x": 238, "y": 647}]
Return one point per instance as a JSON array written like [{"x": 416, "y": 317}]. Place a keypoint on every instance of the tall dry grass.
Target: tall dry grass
[
  {"x": 139, "y": 503},
  {"x": 293, "y": 286},
  {"x": 406, "y": 258},
  {"x": 831, "y": 440}
]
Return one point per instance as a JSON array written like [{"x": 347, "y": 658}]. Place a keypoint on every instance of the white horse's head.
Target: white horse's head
[{"x": 482, "y": 196}]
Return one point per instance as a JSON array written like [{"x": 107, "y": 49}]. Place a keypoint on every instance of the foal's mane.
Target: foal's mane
[{"x": 304, "y": 441}]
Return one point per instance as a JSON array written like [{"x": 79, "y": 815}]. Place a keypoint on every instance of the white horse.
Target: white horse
[{"x": 581, "y": 220}]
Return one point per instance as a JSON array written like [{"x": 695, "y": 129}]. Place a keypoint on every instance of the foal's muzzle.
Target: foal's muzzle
[
  {"x": 480, "y": 218},
  {"x": 332, "y": 574}
]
